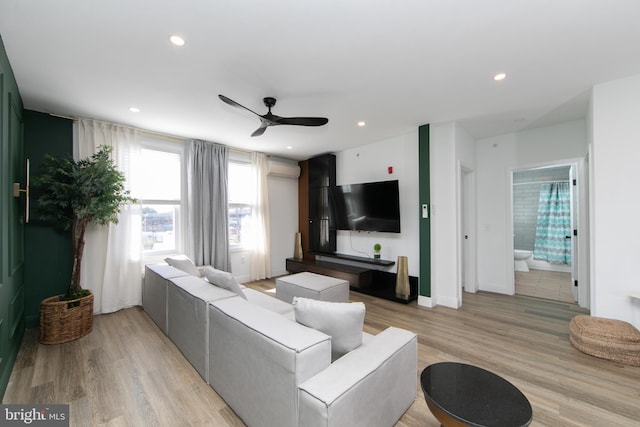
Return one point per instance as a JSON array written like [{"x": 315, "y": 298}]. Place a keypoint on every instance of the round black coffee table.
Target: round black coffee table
[{"x": 459, "y": 395}]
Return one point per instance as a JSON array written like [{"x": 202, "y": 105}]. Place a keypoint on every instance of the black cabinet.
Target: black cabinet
[
  {"x": 377, "y": 283},
  {"x": 322, "y": 176},
  {"x": 358, "y": 277},
  {"x": 322, "y": 171}
]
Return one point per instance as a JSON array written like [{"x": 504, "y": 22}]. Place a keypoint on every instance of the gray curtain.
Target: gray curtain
[{"x": 208, "y": 211}]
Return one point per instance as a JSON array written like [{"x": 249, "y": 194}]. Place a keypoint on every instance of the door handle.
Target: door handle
[{"x": 17, "y": 190}]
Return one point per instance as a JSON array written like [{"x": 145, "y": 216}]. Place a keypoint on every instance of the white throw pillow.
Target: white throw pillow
[
  {"x": 182, "y": 262},
  {"x": 223, "y": 279},
  {"x": 343, "y": 321}
]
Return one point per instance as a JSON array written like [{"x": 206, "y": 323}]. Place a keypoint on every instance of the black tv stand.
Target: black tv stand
[
  {"x": 365, "y": 280},
  {"x": 356, "y": 276},
  {"x": 365, "y": 260}
]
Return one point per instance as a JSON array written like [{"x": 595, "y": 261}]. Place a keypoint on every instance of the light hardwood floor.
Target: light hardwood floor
[
  {"x": 553, "y": 285},
  {"x": 127, "y": 373}
]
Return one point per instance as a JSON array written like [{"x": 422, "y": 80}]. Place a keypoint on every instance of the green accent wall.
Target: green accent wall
[
  {"x": 48, "y": 252},
  {"x": 35, "y": 258},
  {"x": 425, "y": 223},
  {"x": 12, "y": 210}
]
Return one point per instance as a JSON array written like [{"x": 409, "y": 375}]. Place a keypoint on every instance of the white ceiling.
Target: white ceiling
[{"x": 395, "y": 65}]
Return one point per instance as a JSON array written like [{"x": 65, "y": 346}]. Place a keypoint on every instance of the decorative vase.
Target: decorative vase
[
  {"x": 402, "y": 279},
  {"x": 297, "y": 248},
  {"x": 63, "y": 321}
]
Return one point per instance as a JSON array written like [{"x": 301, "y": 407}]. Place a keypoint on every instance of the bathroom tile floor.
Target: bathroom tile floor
[{"x": 552, "y": 285}]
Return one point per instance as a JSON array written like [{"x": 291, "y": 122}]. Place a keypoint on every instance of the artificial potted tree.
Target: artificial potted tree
[{"x": 72, "y": 194}]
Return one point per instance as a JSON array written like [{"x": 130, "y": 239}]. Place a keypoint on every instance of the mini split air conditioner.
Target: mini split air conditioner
[{"x": 284, "y": 170}]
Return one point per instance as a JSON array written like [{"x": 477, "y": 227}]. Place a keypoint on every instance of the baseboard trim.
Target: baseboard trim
[{"x": 425, "y": 301}]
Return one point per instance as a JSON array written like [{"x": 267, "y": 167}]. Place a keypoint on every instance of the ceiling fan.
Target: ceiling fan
[{"x": 270, "y": 119}]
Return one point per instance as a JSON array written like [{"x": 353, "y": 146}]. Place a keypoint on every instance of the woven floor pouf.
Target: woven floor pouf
[{"x": 609, "y": 339}]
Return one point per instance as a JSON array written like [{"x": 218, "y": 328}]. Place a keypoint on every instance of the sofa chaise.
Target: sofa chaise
[{"x": 271, "y": 369}]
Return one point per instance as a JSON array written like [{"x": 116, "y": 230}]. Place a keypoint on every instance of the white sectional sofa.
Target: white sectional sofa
[{"x": 272, "y": 370}]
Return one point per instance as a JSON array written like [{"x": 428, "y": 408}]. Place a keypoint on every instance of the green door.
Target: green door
[{"x": 12, "y": 217}]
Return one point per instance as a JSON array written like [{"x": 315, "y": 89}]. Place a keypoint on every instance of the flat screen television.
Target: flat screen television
[{"x": 372, "y": 206}]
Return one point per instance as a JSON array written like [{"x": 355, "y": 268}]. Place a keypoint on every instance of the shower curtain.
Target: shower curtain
[{"x": 554, "y": 224}]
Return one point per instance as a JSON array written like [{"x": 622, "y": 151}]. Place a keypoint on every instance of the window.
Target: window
[
  {"x": 160, "y": 195},
  {"x": 240, "y": 203}
]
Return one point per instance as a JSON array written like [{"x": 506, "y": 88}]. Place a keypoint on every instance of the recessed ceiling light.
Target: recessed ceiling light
[
  {"x": 499, "y": 76},
  {"x": 289, "y": 147},
  {"x": 176, "y": 40},
  {"x": 134, "y": 109},
  {"x": 362, "y": 124}
]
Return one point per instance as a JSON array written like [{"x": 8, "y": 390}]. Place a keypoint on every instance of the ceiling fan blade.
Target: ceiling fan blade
[
  {"x": 235, "y": 104},
  {"x": 302, "y": 121},
  {"x": 260, "y": 130}
]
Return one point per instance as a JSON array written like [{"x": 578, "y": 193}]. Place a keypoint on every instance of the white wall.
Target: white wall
[
  {"x": 283, "y": 205},
  {"x": 496, "y": 158},
  {"x": 615, "y": 236},
  {"x": 562, "y": 141},
  {"x": 442, "y": 169},
  {"x": 370, "y": 163},
  {"x": 449, "y": 146}
]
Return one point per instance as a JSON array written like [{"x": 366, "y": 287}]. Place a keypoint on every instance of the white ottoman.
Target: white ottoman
[{"x": 311, "y": 285}]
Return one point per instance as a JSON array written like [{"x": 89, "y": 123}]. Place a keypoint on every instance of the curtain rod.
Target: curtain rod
[
  {"x": 143, "y": 131},
  {"x": 147, "y": 132},
  {"x": 541, "y": 182}
]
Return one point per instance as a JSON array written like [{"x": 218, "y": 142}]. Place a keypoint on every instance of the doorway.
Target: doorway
[
  {"x": 467, "y": 281},
  {"x": 544, "y": 223}
]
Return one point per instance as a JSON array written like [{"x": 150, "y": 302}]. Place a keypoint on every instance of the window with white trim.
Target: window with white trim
[
  {"x": 160, "y": 194},
  {"x": 240, "y": 202}
]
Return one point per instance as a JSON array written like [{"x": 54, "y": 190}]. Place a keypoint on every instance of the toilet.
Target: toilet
[{"x": 520, "y": 257}]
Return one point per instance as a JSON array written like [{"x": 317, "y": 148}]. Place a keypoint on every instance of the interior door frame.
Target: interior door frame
[
  {"x": 467, "y": 254},
  {"x": 580, "y": 248}
]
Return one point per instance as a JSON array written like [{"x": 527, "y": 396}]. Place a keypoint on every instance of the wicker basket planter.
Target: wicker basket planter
[{"x": 63, "y": 321}]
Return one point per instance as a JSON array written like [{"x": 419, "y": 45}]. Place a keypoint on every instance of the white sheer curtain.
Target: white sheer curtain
[
  {"x": 261, "y": 238},
  {"x": 111, "y": 265}
]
